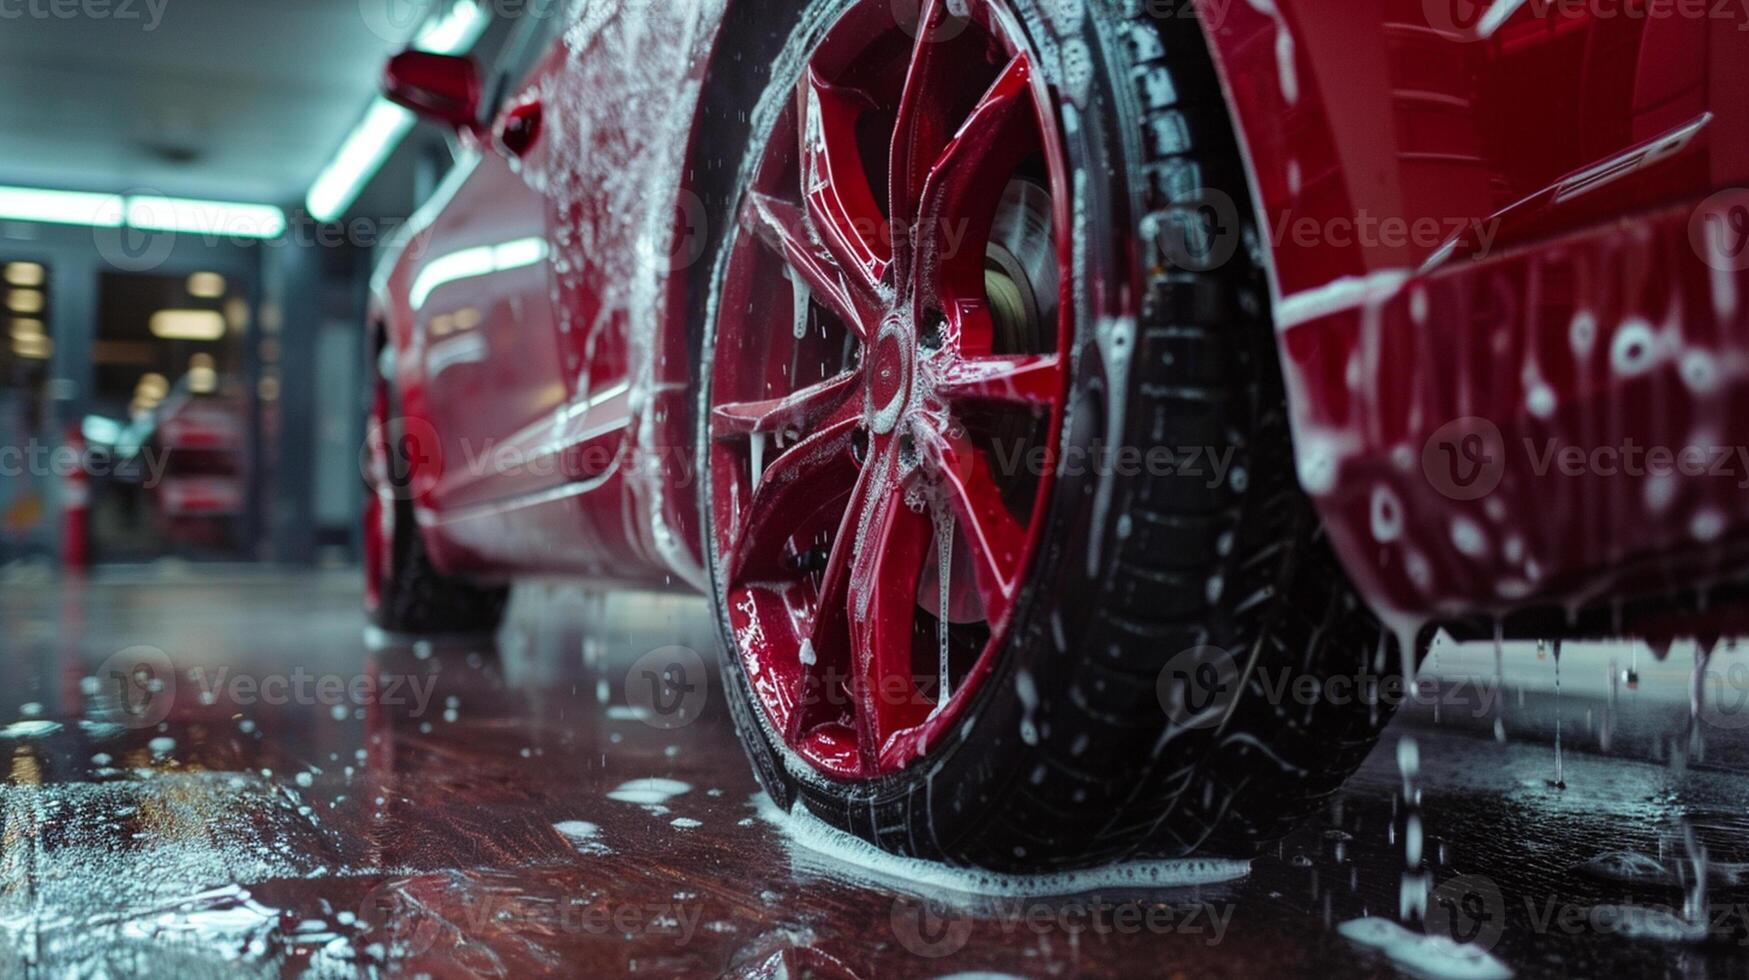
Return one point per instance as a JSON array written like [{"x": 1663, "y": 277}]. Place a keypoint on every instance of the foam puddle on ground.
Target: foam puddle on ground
[
  {"x": 584, "y": 837},
  {"x": 836, "y": 852},
  {"x": 121, "y": 875},
  {"x": 1421, "y": 955}
]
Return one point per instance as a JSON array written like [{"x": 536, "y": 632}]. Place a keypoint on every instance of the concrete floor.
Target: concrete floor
[{"x": 267, "y": 789}]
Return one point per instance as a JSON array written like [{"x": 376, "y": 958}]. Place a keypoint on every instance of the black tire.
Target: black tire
[
  {"x": 413, "y": 596},
  {"x": 1077, "y": 749},
  {"x": 418, "y": 599}
]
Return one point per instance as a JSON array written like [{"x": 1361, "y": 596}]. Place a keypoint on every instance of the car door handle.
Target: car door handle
[{"x": 521, "y": 129}]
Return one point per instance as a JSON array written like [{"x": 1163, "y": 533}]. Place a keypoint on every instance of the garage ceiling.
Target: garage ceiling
[{"x": 225, "y": 100}]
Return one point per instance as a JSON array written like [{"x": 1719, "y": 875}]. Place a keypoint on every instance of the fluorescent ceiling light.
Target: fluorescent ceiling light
[
  {"x": 454, "y": 31},
  {"x": 149, "y": 212},
  {"x": 188, "y": 325},
  {"x": 206, "y": 285},
  {"x": 24, "y": 274},
  {"x": 360, "y": 157},
  {"x": 60, "y": 207},
  {"x": 385, "y": 124},
  {"x": 213, "y": 218},
  {"x": 26, "y": 328}
]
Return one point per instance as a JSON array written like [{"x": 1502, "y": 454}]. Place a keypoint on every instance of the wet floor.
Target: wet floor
[{"x": 222, "y": 773}]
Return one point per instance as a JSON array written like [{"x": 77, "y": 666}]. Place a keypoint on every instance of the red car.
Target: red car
[{"x": 1055, "y": 398}]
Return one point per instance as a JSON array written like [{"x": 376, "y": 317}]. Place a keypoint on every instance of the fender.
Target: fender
[{"x": 1471, "y": 235}]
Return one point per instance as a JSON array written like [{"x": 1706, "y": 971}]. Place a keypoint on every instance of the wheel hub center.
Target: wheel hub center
[{"x": 889, "y": 376}]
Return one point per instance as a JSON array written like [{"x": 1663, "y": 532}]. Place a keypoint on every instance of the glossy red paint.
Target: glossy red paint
[
  {"x": 438, "y": 86},
  {"x": 1566, "y": 294},
  {"x": 1498, "y": 217}
]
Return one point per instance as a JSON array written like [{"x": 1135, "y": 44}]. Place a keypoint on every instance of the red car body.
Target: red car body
[{"x": 1496, "y": 231}]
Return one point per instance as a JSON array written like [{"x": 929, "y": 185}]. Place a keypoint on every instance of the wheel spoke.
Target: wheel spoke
[
  {"x": 803, "y": 412},
  {"x": 995, "y": 539},
  {"x": 835, "y": 185},
  {"x": 780, "y": 225},
  {"x": 1025, "y": 379},
  {"x": 965, "y": 183},
  {"x": 882, "y": 601},
  {"x": 929, "y": 113},
  {"x": 796, "y": 483}
]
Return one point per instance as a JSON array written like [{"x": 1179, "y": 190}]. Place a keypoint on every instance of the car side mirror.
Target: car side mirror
[{"x": 440, "y": 87}]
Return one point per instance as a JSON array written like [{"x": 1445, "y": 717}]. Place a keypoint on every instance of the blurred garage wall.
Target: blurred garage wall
[{"x": 214, "y": 102}]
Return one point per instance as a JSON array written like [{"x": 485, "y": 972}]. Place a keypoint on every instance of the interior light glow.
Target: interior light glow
[
  {"x": 152, "y": 385},
  {"x": 203, "y": 375},
  {"x": 24, "y": 301},
  {"x": 36, "y": 348},
  {"x": 206, "y": 285},
  {"x": 25, "y": 274},
  {"x": 188, "y": 325}
]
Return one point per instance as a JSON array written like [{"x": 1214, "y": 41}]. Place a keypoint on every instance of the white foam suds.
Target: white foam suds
[
  {"x": 584, "y": 836},
  {"x": 847, "y": 854},
  {"x": 649, "y": 792},
  {"x": 1650, "y": 923},
  {"x": 1287, "y": 74},
  {"x": 1027, "y": 692},
  {"x": 1422, "y": 955},
  {"x": 34, "y": 728},
  {"x": 1347, "y": 293}
]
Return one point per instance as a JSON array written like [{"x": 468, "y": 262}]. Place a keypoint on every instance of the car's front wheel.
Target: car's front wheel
[{"x": 1004, "y": 536}]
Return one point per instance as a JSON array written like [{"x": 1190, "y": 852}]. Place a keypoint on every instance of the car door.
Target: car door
[{"x": 482, "y": 299}]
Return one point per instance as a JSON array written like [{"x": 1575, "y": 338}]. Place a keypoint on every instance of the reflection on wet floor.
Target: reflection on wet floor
[{"x": 279, "y": 792}]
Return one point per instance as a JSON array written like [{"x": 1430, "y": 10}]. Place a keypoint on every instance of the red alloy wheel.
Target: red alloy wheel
[{"x": 888, "y": 381}]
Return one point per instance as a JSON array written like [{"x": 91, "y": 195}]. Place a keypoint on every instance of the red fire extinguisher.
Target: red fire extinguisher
[{"x": 76, "y": 509}]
